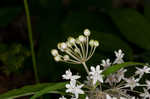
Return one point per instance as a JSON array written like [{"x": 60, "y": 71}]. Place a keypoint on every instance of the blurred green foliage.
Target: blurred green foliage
[
  {"x": 8, "y": 14},
  {"x": 12, "y": 58},
  {"x": 115, "y": 28},
  {"x": 54, "y": 20},
  {"x": 133, "y": 26}
]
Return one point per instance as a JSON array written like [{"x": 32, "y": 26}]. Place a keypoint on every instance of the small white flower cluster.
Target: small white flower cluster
[
  {"x": 114, "y": 86},
  {"x": 76, "y": 49},
  {"x": 73, "y": 87},
  {"x": 117, "y": 77},
  {"x": 96, "y": 74},
  {"x": 121, "y": 83}
]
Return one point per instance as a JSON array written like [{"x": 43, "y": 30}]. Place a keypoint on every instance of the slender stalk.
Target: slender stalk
[
  {"x": 86, "y": 68},
  {"x": 31, "y": 39},
  {"x": 79, "y": 52},
  {"x": 87, "y": 46}
]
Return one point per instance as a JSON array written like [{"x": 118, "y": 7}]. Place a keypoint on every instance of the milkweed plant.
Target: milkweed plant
[{"x": 98, "y": 86}]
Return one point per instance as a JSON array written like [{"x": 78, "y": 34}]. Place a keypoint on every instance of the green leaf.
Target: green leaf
[
  {"x": 103, "y": 4},
  {"x": 8, "y": 14},
  {"x": 117, "y": 67},
  {"x": 55, "y": 87},
  {"x": 82, "y": 4},
  {"x": 76, "y": 22},
  {"x": 38, "y": 90},
  {"x": 13, "y": 57},
  {"x": 110, "y": 43},
  {"x": 146, "y": 9},
  {"x": 24, "y": 91},
  {"x": 133, "y": 26}
]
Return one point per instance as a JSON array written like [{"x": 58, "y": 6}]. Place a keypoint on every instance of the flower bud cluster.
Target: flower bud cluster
[{"x": 76, "y": 50}]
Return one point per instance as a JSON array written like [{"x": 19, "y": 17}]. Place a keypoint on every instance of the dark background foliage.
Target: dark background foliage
[{"x": 116, "y": 24}]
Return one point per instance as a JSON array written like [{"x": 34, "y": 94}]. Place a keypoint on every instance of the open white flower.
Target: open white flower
[
  {"x": 143, "y": 70},
  {"x": 109, "y": 97},
  {"x": 62, "y": 97},
  {"x": 123, "y": 98},
  {"x": 74, "y": 89},
  {"x": 69, "y": 76},
  {"x": 148, "y": 84},
  {"x": 86, "y": 97},
  {"x": 73, "y": 98},
  {"x": 132, "y": 83},
  {"x": 133, "y": 98},
  {"x": 111, "y": 79},
  {"x": 119, "y": 57},
  {"x": 146, "y": 69},
  {"x": 96, "y": 75},
  {"x": 106, "y": 63},
  {"x": 146, "y": 94},
  {"x": 120, "y": 74}
]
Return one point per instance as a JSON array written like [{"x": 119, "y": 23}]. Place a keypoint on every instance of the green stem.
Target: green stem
[
  {"x": 86, "y": 68},
  {"x": 31, "y": 39}
]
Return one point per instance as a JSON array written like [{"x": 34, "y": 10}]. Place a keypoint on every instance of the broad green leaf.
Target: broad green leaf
[
  {"x": 24, "y": 91},
  {"x": 54, "y": 87},
  {"x": 146, "y": 9},
  {"x": 114, "y": 68},
  {"x": 110, "y": 43},
  {"x": 8, "y": 14},
  {"x": 82, "y": 4},
  {"x": 38, "y": 90},
  {"x": 76, "y": 22},
  {"x": 133, "y": 26},
  {"x": 102, "y": 4}
]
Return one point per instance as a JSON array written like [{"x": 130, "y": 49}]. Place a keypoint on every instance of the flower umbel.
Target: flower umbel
[
  {"x": 117, "y": 85},
  {"x": 78, "y": 50}
]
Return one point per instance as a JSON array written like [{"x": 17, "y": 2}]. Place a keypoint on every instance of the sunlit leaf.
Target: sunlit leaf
[
  {"x": 114, "y": 68},
  {"x": 38, "y": 90},
  {"x": 54, "y": 87}
]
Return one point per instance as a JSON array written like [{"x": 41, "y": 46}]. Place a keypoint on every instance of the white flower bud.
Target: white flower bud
[
  {"x": 82, "y": 38},
  {"x": 57, "y": 58},
  {"x": 96, "y": 43},
  {"x": 87, "y": 32},
  {"x": 66, "y": 57},
  {"x": 77, "y": 41},
  {"x": 76, "y": 50},
  {"x": 54, "y": 52},
  {"x": 91, "y": 43},
  {"x": 68, "y": 44},
  {"x": 71, "y": 40},
  {"x": 59, "y": 45},
  {"x": 63, "y": 46}
]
